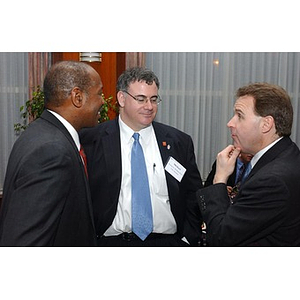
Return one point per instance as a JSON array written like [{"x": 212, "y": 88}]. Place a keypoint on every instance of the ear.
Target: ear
[
  {"x": 268, "y": 124},
  {"x": 77, "y": 97},
  {"x": 121, "y": 98}
]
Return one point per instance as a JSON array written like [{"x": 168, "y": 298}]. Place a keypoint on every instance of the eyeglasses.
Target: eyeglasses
[{"x": 143, "y": 99}]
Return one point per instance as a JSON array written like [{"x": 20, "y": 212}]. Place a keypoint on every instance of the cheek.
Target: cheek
[
  {"x": 247, "y": 127},
  {"x": 249, "y": 134}
]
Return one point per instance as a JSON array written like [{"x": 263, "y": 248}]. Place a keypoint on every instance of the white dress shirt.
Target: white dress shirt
[
  {"x": 163, "y": 219},
  {"x": 69, "y": 127},
  {"x": 260, "y": 153}
]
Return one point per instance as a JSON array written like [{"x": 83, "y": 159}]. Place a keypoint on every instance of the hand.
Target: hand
[
  {"x": 229, "y": 189},
  {"x": 226, "y": 160}
]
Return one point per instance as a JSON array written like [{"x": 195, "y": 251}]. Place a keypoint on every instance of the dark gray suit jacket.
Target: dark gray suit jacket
[
  {"x": 46, "y": 198},
  {"x": 266, "y": 212},
  {"x": 103, "y": 149}
]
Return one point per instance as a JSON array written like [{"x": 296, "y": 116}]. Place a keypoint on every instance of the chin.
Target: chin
[
  {"x": 92, "y": 124},
  {"x": 236, "y": 144},
  {"x": 147, "y": 121}
]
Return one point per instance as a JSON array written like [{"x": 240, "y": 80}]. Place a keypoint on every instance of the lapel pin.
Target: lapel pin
[
  {"x": 168, "y": 147},
  {"x": 164, "y": 144}
]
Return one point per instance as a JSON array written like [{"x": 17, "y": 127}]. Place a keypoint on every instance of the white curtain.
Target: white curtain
[
  {"x": 13, "y": 94},
  {"x": 198, "y": 92}
]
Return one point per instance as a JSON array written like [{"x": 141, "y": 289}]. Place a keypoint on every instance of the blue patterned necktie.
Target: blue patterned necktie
[
  {"x": 241, "y": 171},
  {"x": 246, "y": 172},
  {"x": 141, "y": 210}
]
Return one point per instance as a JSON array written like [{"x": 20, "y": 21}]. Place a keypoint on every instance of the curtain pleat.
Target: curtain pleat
[
  {"x": 135, "y": 59},
  {"x": 13, "y": 94},
  {"x": 38, "y": 65},
  {"x": 20, "y": 74}
]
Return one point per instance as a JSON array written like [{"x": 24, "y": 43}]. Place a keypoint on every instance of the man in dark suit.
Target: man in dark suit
[
  {"x": 46, "y": 197},
  {"x": 266, "y": 210},
  {"x": 172, "y": 172}
]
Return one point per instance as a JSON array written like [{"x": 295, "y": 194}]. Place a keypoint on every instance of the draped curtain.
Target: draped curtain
[
  {"x": 20, "y": 73},
  {"x": 13, "y": 94},
  {"x": 38, "y": 65},
  {"x": 135, "y": 59},
  {"x": 198, "y": 92}
]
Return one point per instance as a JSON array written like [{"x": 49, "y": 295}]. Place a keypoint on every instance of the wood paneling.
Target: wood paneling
[{"x": 112, "y": 65}]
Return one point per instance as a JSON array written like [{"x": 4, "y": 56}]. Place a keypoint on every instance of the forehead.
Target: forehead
[
  {"x": 95, "y": 77},
  {"x": 245, "y": 104},
  {"x": 140, "y": 86}
]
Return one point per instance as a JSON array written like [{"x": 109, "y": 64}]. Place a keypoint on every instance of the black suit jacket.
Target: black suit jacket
[
  {"x": 266, "y": 212},
  {"x": 103, "y": 149},
  {"x": 46, "y": 197}
]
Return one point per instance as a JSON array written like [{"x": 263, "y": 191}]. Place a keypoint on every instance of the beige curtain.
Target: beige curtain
[{"x": 135, "y": 59}]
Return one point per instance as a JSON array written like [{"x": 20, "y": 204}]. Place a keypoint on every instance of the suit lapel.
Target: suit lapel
[
  {"x": 53, "y": 120},
  {"x": 165, "y": 142},
  {"x": 166, "y": 148},
  {"x": 112, "y": 156}
]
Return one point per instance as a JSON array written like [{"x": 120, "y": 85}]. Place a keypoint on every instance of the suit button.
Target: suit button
[{"x": 203, "y": 204}]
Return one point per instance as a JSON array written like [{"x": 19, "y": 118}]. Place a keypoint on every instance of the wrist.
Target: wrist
[{"x": 220, "y": 179}]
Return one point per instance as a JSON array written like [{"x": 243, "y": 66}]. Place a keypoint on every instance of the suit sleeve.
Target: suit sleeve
[
  {"x": 192, "y": 182},
  {"x": 210, "y": 178},
  {"x": 36, "y": 202},
  {"x": 258, "y": 209}
]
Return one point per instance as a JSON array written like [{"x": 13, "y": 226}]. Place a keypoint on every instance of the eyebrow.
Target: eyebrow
[
  {"x": 237, "y": 110},
  {"x": 146, "y": 96}
]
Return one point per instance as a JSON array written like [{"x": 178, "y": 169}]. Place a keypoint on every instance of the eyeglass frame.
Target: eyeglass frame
[{"x": 158, "y": 100}]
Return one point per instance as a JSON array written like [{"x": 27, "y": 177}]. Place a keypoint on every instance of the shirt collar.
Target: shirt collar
[
  {"x": 127, "y": 132},
  {"x": 260, "y": 153},
  {"x": 239, "y": 163},
  {"x": 69, "y": 127}
]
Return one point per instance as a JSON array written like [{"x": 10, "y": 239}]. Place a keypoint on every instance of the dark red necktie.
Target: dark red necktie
[{"x": 83, "y": 156}]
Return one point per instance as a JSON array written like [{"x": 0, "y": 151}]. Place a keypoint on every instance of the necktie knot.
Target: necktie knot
[{"x": 136, "y": 136}]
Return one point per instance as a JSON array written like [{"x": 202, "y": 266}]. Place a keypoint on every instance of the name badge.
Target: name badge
[{"x": 176, "y": 169}]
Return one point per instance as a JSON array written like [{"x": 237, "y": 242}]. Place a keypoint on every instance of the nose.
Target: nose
[
  {"x": 148, "y": 104},
  {"x": 230, "y": 123}
]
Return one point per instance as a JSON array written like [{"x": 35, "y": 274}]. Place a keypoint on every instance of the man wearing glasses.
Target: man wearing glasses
[{"x": 143, "y": 174}]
